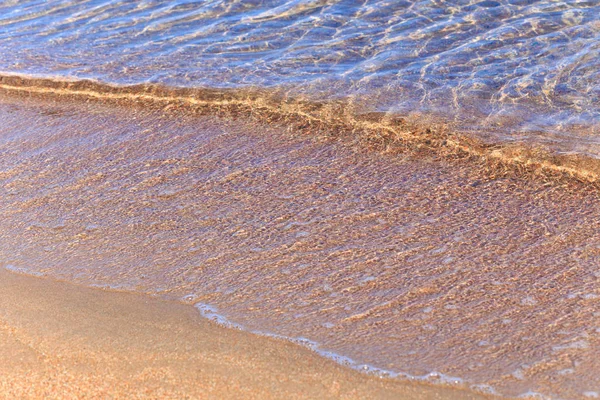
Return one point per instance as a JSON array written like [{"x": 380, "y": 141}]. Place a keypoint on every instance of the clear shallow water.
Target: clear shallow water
[
  {"x": 400, "y": 265},
  {"x": 509, "y": 70},
  {"x": 421, "y": 268}
]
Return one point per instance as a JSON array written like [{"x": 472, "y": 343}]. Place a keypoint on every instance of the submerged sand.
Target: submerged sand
[
  {"x": 59, "y": 340},
  {"x": 406, "y": 262}
]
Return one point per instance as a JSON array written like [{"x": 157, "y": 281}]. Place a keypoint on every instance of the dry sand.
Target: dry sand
[{"x": 59, "y": 340}]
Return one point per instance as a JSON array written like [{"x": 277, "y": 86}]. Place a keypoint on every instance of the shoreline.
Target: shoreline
[
  {"x": 290, "y": 233},
  {"x": 61, "y": 340}
]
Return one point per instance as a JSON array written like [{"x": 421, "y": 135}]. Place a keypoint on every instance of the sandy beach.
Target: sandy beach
[
  {"x": 300, "y": 199},
  {"x": 59, "y": 340},
  {"x": 405, "y": 262}
]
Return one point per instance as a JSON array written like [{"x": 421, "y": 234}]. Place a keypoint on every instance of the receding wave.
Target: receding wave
[
  {"x": 382, "y": 131},
  {"x": 430, "y": 260},
  {"x": 509, "y": 70},
  {"x": 414, "y": 265}
]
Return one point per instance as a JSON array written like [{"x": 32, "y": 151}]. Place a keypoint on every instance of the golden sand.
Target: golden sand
[{"x": 59, "y": 340}]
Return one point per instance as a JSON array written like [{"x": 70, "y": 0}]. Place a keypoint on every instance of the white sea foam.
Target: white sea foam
[{"x": 432, "y": 377}]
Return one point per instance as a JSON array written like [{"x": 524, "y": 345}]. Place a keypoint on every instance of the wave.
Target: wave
[
  {"x": 415, "y": 133},
  {"x": 399, "y": 263}
]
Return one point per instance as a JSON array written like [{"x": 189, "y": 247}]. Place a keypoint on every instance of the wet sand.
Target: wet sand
[
  {"x": 405, "y": 262},
  {"x": 59, "y": 340}
]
